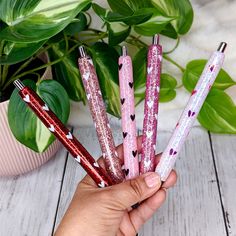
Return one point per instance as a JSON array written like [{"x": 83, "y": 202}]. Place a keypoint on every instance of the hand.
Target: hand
[{"x": 100, "y": 212}]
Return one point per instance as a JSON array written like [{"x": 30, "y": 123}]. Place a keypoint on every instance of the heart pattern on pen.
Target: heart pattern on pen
[
  {"x": 191, "y": 113},
  {"x": 212, "y": 68},
  {"x": 150, "y": 104},
  {"x": 101, "y": 185},
  {"x": 52, "y": 128},
  {"x": 69, "y": 136},
  {"x": 193, "y": 92},
  {"x": 95, "y": 164},
  {"x": 172, "y": 152},
  {"x": 45, "y": 107},
  {"x": 158, "y": 89},
  {"x": 126, "y": 172},
  {"x": 149, "y": 134},
  {"x": 134, "y": 153},
  {"x": 78, "y": 158},
  {"x": 131, "y": 84},
  {"x": 124, "y": 134},
  {"x": 154, "y": 147},
  {"x": 27, "y": 98},
  {"x": 122, "y": 101},
  {"x": 132, "y": 117},
  {"x": 86, "y": 75},
  {"x": 88, "y": 96},
  {"x": 120, "y": 66},
  {"x": 156, "y": 116},
  {"x": 149, "y": 70},
  {"x": 90, "y": 62},
  {"x": 147, "y": 163}
]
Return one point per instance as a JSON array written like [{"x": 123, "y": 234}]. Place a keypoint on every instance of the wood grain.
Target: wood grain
[
  {"x": 28, "y": 203},
  {"x": 224, "y": 148},
  {"x": 193, "y": 205}
]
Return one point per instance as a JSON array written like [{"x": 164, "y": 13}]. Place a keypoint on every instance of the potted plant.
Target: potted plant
[{"x": 28, "y": 30}]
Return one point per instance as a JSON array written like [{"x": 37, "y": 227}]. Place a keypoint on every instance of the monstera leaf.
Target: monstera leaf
[{"x": 37, "y": 20}]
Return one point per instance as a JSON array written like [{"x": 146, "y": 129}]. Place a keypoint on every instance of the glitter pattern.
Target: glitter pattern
[
  {"x": 131, "y": 163},
  {"x": 100, "y": 119},
  {"x": 151, "y": 109},
  {"x": 56, "y": 127},
  {"x": 189, "y": 115}
]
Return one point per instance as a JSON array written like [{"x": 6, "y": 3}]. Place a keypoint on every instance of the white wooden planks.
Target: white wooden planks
[
  {"x": 224, "y": 147},
  {"x": 193, "y": 206},
  {"x": 28, "y": 203},
  {"x": 74, "y": 173}
]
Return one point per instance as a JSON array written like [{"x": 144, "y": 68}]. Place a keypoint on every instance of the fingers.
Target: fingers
[
  {"x": 145, "y": 211},
  {"x": 171, "y": 180},
  {"x": 136, "y": 190}
]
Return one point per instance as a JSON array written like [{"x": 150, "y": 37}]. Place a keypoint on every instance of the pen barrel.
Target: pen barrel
[
  {"x": 57, "y": 128},
  {"x": 100, "y": 119},
  {"x": 189, "y": 115},
  {"x": 126, "y": 83},
  {"x": 151, "y": 109}
]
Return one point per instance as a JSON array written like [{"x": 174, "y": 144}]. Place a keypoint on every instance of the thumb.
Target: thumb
[{"x": 136, "y": 190}]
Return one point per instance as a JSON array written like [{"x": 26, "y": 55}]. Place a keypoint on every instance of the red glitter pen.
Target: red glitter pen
[
  {"x": 57, "y": 128},
  {"x": 99, "y": 115}
]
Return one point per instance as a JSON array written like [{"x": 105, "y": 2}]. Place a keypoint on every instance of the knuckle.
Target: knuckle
[{"x": 136, "y": 188}]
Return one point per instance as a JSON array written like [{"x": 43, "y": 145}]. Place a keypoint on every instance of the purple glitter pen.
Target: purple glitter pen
[
  {"x": 190, "y": 112},
  {"x": 151, "y": 106},
  {"x": 99, "y": 115}
]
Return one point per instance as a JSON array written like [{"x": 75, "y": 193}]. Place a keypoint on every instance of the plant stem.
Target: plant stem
[
  {"x": 176, "y": 45},
  {"x": 4, "y": 73},
  {"x": 173, "y": 62},
  {"x": 41, "y": 67}
]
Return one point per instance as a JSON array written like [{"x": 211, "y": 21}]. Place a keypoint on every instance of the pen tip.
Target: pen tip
[
  {"x": 222, "y": 47},
  {"x": 156, "y": 38},
  {"x": 124, "y": 51},
  {"x": 82, "y": 51}
]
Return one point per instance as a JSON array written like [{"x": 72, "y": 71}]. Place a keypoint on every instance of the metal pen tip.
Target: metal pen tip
[
  {"x": 82, "y": 51},
  {"x": 155, "y": 39},
  {"x": 222, "y": 47},
  {"x": 124, "y": 51},
  {"x": 18, "y": 84}
]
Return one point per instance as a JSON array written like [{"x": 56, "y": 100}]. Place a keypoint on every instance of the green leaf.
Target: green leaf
[
  {"x": 168, "y": 85},
  {"x": 169, "y": 31},
  {"x": 17, "y": 52},
  {"x": 154, "y": 25},
  {"x": 117, "y": 33},
  {"x": 136, "y": 18},
  {"x": 100, "y": 11},
  {"x": 105, "y": 59},
  {"x": 24, "y": 124},
  {"x": 66, "y": 72},
  {"x": 77, "y": 25},
  {"x": 139, "y": 71},
  {"x": 182, "y": 9},
  {"x": 218, "y": 113},
  {"x": 37, "y": 20},
  {"x": 128, "y": 7},
  {"x": 193, "y": 71}
]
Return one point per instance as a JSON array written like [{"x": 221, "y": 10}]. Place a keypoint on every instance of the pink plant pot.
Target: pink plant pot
[{"x": 15, "y": 158}]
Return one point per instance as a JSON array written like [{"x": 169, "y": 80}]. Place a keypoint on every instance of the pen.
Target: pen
[
  {"x": 57, "y": 128},
  {"x": 99, "y": 115},
  {"x": 126, "y": 82},
  {"x": 190, "y": 112},
  {"x": 151, "y": 106}
]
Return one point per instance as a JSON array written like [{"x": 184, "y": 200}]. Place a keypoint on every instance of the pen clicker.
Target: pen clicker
[
  {"x": 99, "y": 115},
  {"x": 190, "y": 112},
  {"x": 126, "y": 82},
  {"x": 56, "y": 127},
  {"x": 151, "y": 106}
]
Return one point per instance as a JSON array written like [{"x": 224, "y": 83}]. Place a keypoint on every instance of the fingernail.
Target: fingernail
[{"x": 152, "y": 180}]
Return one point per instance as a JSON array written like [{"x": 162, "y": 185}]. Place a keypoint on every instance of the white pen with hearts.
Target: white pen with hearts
[
  {"x": 126, "y": 82},
  {"x": 151, "y": 106},
  {"x": 190, "y": 112}
]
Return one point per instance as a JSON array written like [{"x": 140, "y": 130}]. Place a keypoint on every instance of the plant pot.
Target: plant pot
[{"x": 15, "y": 158}]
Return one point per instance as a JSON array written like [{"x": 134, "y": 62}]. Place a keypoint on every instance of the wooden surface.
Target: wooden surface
[{"x": 203, "y": 202}]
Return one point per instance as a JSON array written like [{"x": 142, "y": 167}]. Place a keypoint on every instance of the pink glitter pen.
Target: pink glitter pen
[
  {"x": 151, "y": 106},
  {"x": 190, "y": 112},
  {"x": 128, "y": 115},
  {"x": 99, "y": 115}
]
